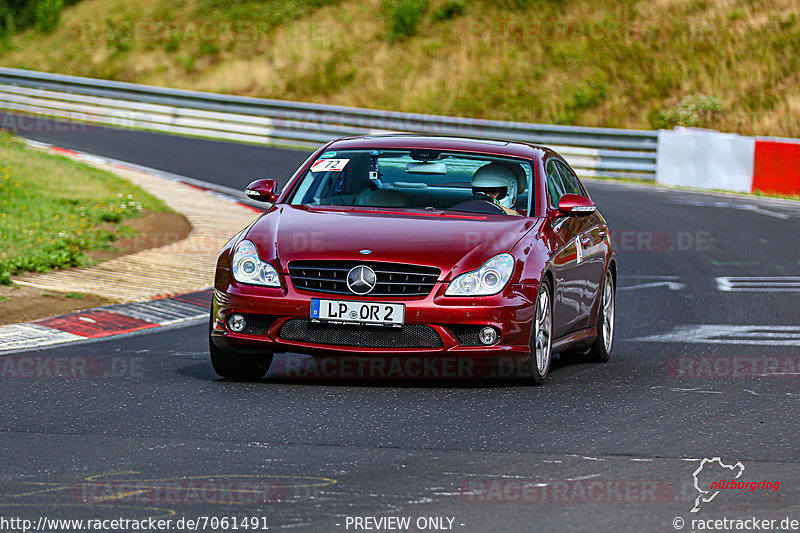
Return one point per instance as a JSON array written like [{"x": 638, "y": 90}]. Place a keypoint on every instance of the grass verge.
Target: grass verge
[{"x": 54, "y": 211}]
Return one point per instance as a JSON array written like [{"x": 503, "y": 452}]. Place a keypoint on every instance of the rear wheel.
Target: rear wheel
[
  {"x": 542, "y": 335},
  {"x": 242, "y": 366},
  {"x": 600, "y": 350}
]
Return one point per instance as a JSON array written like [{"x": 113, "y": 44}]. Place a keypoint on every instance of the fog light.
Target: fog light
[
  {"x": 237, "y": 323},
  {"x": 488, "y": 336}
]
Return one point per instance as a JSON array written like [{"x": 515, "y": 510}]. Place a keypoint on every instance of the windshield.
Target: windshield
[{"x": 411, "y": 179}]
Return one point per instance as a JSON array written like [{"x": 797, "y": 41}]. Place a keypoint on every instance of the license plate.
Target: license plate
[{"x": 347, "y": 312}]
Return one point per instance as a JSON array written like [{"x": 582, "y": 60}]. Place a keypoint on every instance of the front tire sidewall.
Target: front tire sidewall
[
  {"x": 537, "y": 376},
  {"x": 238, "y": 366}
]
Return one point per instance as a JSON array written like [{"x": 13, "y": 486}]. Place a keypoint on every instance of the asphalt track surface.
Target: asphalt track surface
[{"x": 601, "y": 447}]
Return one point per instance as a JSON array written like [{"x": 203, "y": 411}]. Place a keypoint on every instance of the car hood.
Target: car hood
[{"x": 453, "y": 242}]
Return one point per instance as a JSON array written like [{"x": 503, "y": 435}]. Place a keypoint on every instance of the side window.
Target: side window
[
  {"x": 554, "y": 185},
  {"x": 570, "y": 180}
]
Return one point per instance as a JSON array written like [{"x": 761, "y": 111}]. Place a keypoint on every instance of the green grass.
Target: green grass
[
  {"x": 54, "y": 210},
  {"x": 268, "y": 13}
]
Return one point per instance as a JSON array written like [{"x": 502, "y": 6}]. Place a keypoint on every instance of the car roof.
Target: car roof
[{"x": 438, "y": 142}]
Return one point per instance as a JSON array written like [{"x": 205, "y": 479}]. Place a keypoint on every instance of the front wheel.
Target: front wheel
[
  {"x": 600, "y": 350},
  {"x": 542, "y": 335},
  {"x": 239, "y": 366},
  {"x": 235, "y": 365}
]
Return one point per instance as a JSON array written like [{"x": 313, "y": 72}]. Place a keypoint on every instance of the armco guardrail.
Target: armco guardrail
[{"x": 591, "y": 151}]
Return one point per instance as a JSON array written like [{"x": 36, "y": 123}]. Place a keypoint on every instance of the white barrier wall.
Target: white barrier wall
[{"x": 705, "y": 159}]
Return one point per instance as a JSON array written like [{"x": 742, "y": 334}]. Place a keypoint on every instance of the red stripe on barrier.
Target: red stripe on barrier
[
  {"x": 776, "y": 168},
  {"x": 94, "y": 324}
]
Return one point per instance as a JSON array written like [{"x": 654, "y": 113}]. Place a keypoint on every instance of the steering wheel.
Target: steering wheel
[{"x": 479, "y": 203}]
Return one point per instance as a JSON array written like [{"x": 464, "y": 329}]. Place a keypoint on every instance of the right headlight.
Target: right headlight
[
  {"x": 487, "y": 280},
  {"x": 248, "y": 268}
]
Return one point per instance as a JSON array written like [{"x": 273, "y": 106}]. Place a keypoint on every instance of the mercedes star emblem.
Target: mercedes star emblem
[{"x": 361, "y": 280}]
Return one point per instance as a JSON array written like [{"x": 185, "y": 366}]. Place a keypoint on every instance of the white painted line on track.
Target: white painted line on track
[
  {"x": 648, "y": 276},
  {"x": 671, "y": 285},
  {"x": 651, "y": 281},
  {"x": 759, "y": 284}
]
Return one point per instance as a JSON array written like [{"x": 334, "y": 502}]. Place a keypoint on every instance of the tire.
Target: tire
[
  {"x": 238, "y": 366},
  {"x": 600, "y": 350},
  {"x": 538, "y": 364}
]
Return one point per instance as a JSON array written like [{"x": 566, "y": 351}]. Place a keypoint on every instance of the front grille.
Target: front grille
[
  {"x": 393, "y": 279},
  {"x": 408, "y": 336},
  {"x": 467, "y": 335}
]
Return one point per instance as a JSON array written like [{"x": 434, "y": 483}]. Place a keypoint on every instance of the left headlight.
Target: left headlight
[
  {"x": 487, "y": 280},
  {"x": 248, "y": 268}
]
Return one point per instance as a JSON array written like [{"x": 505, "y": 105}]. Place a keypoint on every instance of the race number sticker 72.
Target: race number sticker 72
[{"x": 329, "y": 165}]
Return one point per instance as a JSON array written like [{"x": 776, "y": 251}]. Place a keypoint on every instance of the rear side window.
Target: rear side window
[
  {"x": 570, "y": 180},
  {"x": 555, "y": 187}
]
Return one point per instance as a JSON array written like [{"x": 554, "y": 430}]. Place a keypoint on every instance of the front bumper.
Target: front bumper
[{"x": 510, "y": 313}]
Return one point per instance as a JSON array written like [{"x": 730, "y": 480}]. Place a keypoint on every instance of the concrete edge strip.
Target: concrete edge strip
[{"x": 101, "y": 322}]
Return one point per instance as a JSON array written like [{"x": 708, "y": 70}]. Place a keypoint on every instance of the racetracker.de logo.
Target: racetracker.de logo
[
  {"x": 377, "y": 368},
  {"x": 565, "y": 491},
  {"x": 70, "y": 367},
  {"x": 732, "y": 366}
]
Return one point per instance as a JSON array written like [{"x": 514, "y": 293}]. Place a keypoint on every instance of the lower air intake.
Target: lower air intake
[{"x": 408, "y": 336}]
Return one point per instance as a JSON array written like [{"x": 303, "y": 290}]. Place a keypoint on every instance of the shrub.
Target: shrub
[
  {"x": 403, "y": 17},
  {"x": 584, "y": 97},
  {"x": 47, "y": 13},
  {"x": 17, "y": 15},
  {"x": 693, "y": 111},
  {"x": 450, "y": 9}
]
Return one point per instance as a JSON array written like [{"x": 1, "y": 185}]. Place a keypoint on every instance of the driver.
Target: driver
[{"x": 496, "y": 183}]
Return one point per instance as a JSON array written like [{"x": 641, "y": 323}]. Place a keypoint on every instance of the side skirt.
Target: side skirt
[{"x": 582, "y": 338}]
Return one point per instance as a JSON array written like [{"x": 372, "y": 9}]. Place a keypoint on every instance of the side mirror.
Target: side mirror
[
  {"x": 263, "y": 190},
  {"x": 575, "y": 205}
]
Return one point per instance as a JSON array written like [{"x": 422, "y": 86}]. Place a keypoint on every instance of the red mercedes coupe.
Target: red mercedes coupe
[{"x": 406, "y": 245}]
